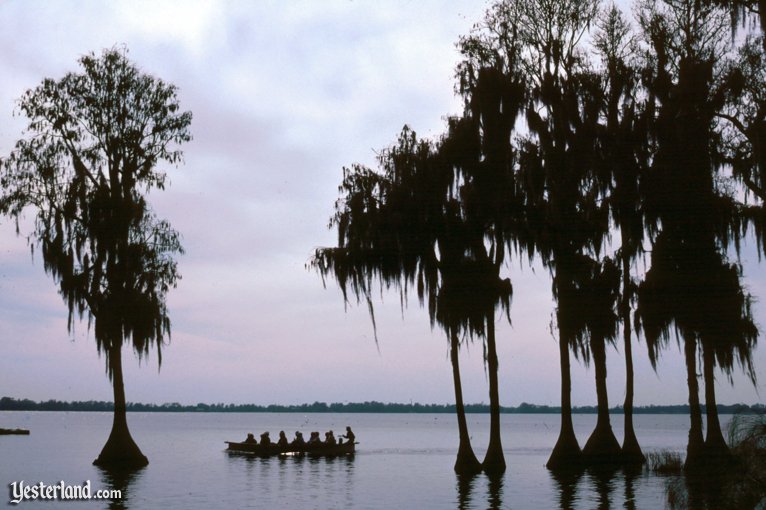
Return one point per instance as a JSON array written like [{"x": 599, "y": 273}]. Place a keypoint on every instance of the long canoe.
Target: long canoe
[{"x": 316, "y": 450}]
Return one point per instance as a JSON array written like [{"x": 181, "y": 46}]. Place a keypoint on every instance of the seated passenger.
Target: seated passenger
[
  {"x": 251, "y": 439},
  {"x": 265, "y": 439},
  {"x": 298, "y": 441},
  {"x": 314, "y": 439},
  {"x": 329, "y": 438},
  {"x": 282, "y": 441}
]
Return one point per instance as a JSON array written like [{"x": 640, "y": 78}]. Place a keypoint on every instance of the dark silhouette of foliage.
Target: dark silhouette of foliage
[
  {"x": 691, "y": 290},
  {"x": 492, "y": 85},
  {"x": 635, "y": 142},
  {"x": 565, "y": 219},
  {"x": 744, "y": 132},
  {"x": 625, "y": 156},
  {"x": 90, "y": 154},
  {"x": 402, "y": 228}
]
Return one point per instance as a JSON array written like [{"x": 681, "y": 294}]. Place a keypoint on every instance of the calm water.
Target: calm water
[{"x": 403, "y": 461}]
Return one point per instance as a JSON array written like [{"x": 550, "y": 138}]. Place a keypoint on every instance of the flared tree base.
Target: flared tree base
[
  {"x": 466, "y": 462},
  {"x": 631, "y": 451},
  {"x": 494, "y": 460},
  {"x": 695, "y": 456},
  {"x": 718, "y": 456},
  {"x": 566, "y": 454},
  {"x": 121, "y": 452},
  {"x": 602, "y": 448}
]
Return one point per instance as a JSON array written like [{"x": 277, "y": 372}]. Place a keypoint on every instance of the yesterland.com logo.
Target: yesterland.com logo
[{"x": 20, "y": 491}]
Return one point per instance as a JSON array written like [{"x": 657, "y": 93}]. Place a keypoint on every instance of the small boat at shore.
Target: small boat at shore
[
  {"x": 271, "y": 450},
  {"x": 15, "y": 432}
]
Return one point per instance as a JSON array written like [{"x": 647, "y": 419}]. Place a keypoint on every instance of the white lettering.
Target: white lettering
[
  {"x": 16, "y": 492},
  {"x": 19, "y": 491}
]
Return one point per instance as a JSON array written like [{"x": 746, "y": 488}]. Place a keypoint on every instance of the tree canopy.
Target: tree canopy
[{"x": 89, "y": 155}]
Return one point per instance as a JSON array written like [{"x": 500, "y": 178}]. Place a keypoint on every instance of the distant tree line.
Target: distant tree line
[{"x": 12, "y": 404}]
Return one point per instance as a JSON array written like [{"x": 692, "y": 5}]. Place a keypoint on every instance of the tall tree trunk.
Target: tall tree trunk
[
  {"x": 602, "y": 447},
  {"x": 631, "y": 450},
  {"x": 715, "y": 445},
  {"x": 494, "y": 461},
  {"x": 695, "y": 449},
  {"x": 566, "y": 453},
  {"x": 120, "y": 451},
  {"x": 466, "y": 462}
]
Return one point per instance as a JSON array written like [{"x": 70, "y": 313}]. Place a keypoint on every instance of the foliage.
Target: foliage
[
  {"x": 664, "y": 462},
  {"x": 90, "y": 154}
]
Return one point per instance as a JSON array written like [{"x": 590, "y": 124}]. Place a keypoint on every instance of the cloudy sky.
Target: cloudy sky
[{"x": 284, "y": 94}]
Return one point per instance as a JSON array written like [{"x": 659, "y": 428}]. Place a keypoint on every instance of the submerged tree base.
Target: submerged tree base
[
  {"x": 466, "y": 462},
  {"x": 695, "y": 455},
  {"x": 494, "y": 461},
  {"x": 121, "y": 452},
  {"x": 631, "y": 451},
  {"x": 602, "y": 448},
  {"x": 566, "y": 454}
]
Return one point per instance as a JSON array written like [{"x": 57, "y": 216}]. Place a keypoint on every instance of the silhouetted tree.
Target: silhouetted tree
[
  {"x": 492, "y": 85},
  {"x": 599, "y": 295},
  {"x": 691, "y": 289},
  {"x": 625, "y": 157},
  {"x": 563, "y": 216},
  {"x": 482, "y": 195},
  {"x": 402, "y": 227},
  {"x": 91, "y": 152}
]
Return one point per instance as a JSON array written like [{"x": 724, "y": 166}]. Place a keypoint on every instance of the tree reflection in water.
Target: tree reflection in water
[
  {"x": 566, "y": 482},
  {"x": 495, "y": 492},
  {"x": 717, "y": 489},
  {"x": 600, "y": 483},
  {"x": 467, "y": 484},
  {"x": 603, "y": 480},
  {"x": 121, "y": 480}
]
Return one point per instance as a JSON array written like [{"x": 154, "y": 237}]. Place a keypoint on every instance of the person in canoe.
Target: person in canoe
[
  {"x": 314, "y": 439},
  {"x": 265, "y": 439},
  {"x": 282, "y": 441},
  {"x": 350, "y": 437},
  {"x": 329, "y": 438},
  {"x": 250, "y": 439},
  {"x": 298, "y": 442}
]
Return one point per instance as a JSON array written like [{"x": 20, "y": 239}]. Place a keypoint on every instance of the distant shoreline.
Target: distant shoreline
[{"x": 12, "y": 404}]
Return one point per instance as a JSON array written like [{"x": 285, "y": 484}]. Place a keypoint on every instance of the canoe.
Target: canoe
[{"x": 316, "y": 450}]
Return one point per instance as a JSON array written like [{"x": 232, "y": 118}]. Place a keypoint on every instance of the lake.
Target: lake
[{"x": 403, "y": 461}]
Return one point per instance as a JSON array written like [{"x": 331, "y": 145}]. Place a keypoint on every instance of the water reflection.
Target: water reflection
[
  {"x": 121, "y": 480},
  {"x": 302, "y": 478},
  {"x": 566, "y": 482},
  {"x": 467, "y": 485},
  {"x": 714, "y": 490},
  {"x": 631, "y": 475},
  {"x": 603, "y": 480},
  {"x": 495, "y": 492}
]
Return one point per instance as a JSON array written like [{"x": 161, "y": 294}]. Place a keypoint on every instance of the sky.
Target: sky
[{"x": 284, "y": 95}]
